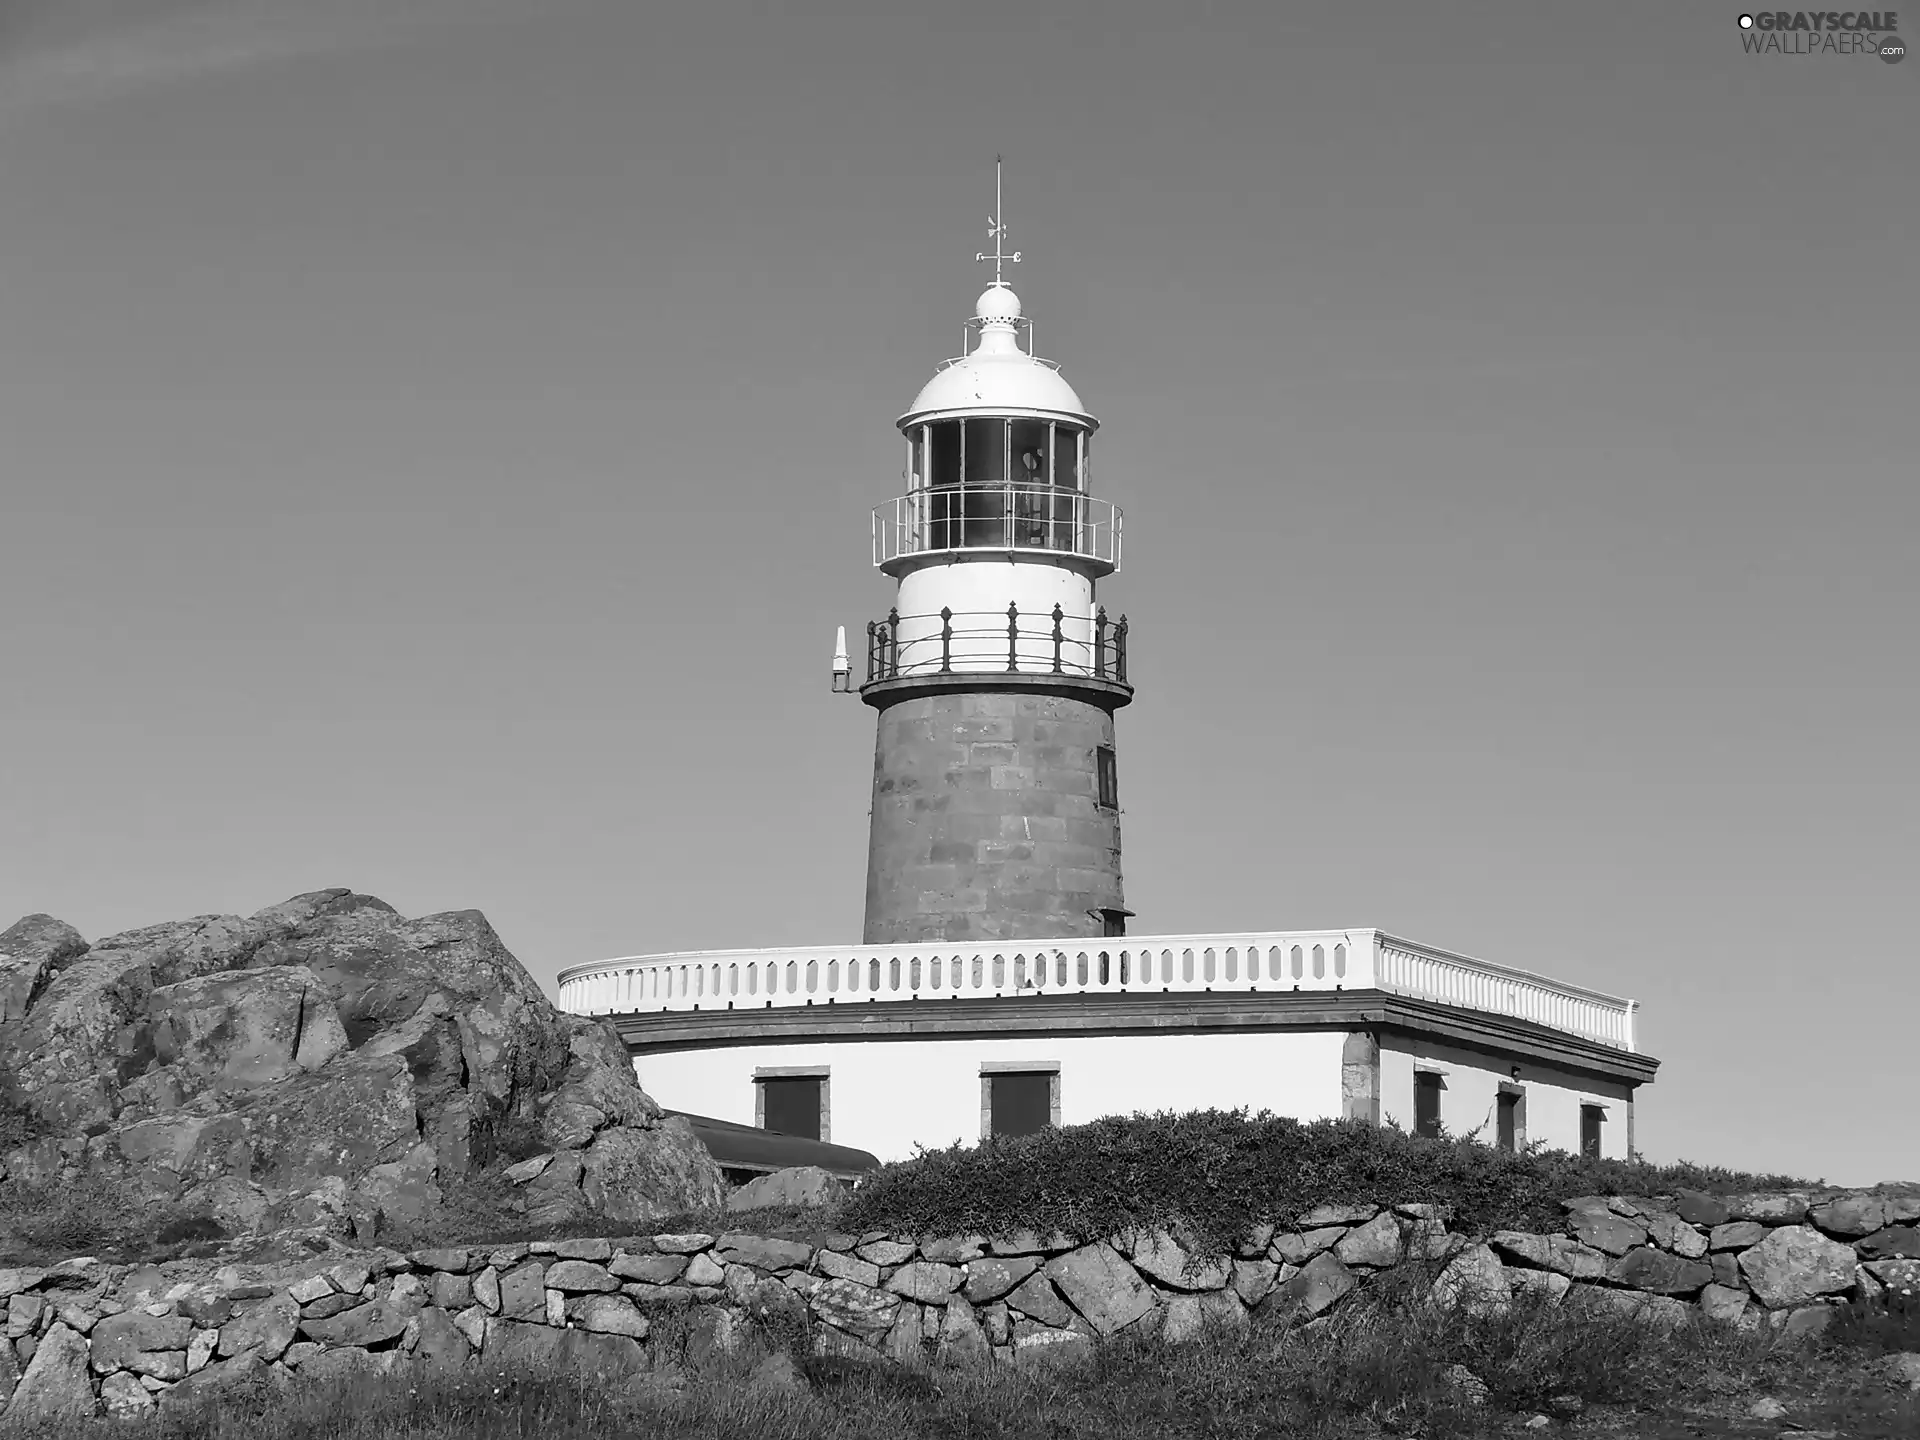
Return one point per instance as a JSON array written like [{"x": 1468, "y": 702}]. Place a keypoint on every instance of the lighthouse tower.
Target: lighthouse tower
[{"x": 997, "y": 672}]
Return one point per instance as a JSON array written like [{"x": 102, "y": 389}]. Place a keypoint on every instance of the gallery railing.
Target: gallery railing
[
  {"x": 1323, "y": 960},
  {"x": 1010, "y": 641},
  {"x": 998, "y": 517}
]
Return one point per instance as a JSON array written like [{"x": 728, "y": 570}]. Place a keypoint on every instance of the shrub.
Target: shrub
[
  {"x": 1224, "y": 1172},
  {"x": 90, "y": 1215},
  {"x": 505, "y": 1139},
  {"x": 1888, "y": 1324}
]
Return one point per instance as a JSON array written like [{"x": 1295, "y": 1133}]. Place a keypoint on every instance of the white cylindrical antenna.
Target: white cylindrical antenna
[{"x": 842, "y": 668}]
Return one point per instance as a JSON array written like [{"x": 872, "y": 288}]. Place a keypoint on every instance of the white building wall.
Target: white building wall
[
  {"x": 886, "y": 1096},
  {"x": 1472, "y": 1083}
]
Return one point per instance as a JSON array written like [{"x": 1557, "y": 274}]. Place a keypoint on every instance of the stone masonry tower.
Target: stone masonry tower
[{"x": 996, "y": 674}]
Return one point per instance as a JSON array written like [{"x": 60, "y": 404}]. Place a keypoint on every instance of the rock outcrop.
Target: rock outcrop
[{"x": 323, "y": 1065}]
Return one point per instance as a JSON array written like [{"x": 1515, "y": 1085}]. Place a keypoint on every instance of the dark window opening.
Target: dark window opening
[
  {"x": 791, "y": 1106},
  {"x": 1020, "y": 1104},
  {"x": 1107, "y": 773},
  {"x": 1426, "y": 1104},
  {"x": 1112, "y": 923},
  {"x": 1066, "y": 457},
  {"x": 1032, "y": 461},
  {"x": 1590, "y": 1118},
  {"x": 986, "y": 459},
  {"x": 1509, "y": 1121},
  {"x": 944, "y": 452}
]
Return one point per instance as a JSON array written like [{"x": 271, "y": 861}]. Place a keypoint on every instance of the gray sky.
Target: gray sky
[{"x": 436, "y": 442}]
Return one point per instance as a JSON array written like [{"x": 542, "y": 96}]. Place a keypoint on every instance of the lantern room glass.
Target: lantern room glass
[
  {"x": 984, "y": 456},
  {"x": 993, "y": 451},
  {"x": 1018, "y": 481},
  {"x": 1031, "y": 450},
  {"x": 943, "y": 453}
]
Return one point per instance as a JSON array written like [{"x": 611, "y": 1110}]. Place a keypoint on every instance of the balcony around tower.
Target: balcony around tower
[
  {"x": 1042, "y": 645},
  {"x": 1010, "y": 520}
]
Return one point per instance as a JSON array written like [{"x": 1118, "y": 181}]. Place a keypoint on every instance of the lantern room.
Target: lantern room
[{"x": 997, "y": 459}]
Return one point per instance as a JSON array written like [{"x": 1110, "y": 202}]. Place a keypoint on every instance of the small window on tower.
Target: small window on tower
[{"x": 1107, "y": 777}]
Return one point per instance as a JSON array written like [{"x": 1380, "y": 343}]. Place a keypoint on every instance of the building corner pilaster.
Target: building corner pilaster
[{"x": 1360, "y": 1077}]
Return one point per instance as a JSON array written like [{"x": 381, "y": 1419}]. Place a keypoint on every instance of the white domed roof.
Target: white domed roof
[
  {"x": 998, "y": 302},
  {"x": 997, "y": 376}
]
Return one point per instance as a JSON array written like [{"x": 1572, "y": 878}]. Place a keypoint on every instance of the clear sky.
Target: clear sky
[{"x": 437, "y": 436}]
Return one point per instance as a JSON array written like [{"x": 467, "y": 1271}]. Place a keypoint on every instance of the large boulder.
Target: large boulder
[
  {"x": 1796, "y": 1264},
  {"x": 244, "y": 1028},
  {"x": 31, "y": 950},
  {"x": 1102, "y": 1286},
  {"x": 797, "y": 1185},
  {"x": 326, "y": 1065},
  {"x": 55, "y": 1385}
]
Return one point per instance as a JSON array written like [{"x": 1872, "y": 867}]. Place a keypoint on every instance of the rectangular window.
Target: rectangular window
[
  {"x": 1427, "y": 1086},
  {"x": 1113, "y": 923},
  {"x": 1021, "y": 1103},
  {"x": 1511, "y": 1119},
  {"x": 1591, "y": 1117},
  {"x": 1018, "y": 1097},
  {"x": 1032, "y": 462},
  {"x": 1106, "y": 773},
  {"x": 943, "y": 452},
  {"x": 790, "y": 1104},
  {"x": 1066, "y": 457},
  {"x": 986, "y": 454}
]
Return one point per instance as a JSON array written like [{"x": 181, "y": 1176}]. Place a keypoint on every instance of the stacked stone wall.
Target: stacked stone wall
[{"x": 82, "y": 1336}]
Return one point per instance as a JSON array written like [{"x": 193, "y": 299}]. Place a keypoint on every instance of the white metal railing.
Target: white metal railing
[
  {"x": 1323, "y": 960},
  {"x": 1042, "y": 518}
]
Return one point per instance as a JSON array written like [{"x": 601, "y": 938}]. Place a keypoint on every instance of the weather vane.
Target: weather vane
[{"x": 997, "y": 232}]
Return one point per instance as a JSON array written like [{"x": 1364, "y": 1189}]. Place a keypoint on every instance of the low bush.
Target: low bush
[
  {"x": 1886, "y": 1324},
  {"x": 87, "y": 1216},
  {"x": 1224, "y": 1172}
]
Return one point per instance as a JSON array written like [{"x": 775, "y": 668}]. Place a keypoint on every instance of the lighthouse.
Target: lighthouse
[
  {"x": 997, "y": 990},
  {"x": 997, "y": 672}
]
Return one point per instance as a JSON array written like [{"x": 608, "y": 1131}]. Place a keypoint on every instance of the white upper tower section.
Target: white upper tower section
[{"x": 999, "y": 541}]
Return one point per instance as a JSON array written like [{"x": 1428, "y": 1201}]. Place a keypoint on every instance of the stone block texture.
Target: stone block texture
[{"x": 986, "y": 820}]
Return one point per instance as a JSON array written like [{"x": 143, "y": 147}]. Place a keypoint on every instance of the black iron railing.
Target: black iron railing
[{"x": 979, "y": 642}]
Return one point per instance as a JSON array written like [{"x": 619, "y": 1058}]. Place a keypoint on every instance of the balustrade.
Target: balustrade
[{"x": 1267, "y": 962}]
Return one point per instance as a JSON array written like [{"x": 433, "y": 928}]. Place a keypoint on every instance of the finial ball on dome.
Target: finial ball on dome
[{"x": 998, "y": 303}]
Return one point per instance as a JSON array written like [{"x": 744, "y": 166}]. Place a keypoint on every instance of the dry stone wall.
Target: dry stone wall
[{"x": 82, "y": 1336}]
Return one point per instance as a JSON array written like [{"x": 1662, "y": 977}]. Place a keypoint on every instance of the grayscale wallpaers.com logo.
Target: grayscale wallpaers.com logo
[{"x": 1824, "y": 32}]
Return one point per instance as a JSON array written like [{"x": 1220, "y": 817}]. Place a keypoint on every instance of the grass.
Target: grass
[{"x": 1377, "y": 1366}]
